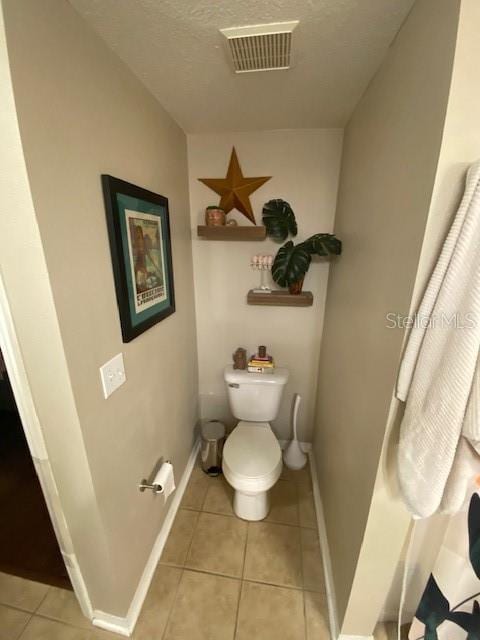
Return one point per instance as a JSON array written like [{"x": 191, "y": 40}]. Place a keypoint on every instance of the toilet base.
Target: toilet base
[{"x": 251, "y": 506}]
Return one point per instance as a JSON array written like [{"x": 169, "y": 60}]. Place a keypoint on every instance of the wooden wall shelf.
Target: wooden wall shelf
[
  {"x": 232, "y": 233},
  {"x": 280, "y": 298}
]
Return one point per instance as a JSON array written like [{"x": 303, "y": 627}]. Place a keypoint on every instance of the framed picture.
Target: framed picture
[{"x": 139, "y": 233}]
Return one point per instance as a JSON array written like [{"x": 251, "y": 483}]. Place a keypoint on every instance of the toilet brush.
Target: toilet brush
[{"x": 293, "y": 456}]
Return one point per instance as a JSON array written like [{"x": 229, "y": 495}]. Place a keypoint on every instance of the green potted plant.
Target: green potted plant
[{"x": 293, "y": 260}]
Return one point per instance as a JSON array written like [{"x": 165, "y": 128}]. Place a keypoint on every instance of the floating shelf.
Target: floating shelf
[
  {"x": 232, "y": 233},
  {"x": 280, "y": 298}
]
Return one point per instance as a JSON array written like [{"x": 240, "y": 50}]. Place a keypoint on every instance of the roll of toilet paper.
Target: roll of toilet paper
[{"x": 165, "y": 480}]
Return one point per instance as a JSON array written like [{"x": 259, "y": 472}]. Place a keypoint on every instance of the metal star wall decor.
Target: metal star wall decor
[{"x": 235, "y": 189}]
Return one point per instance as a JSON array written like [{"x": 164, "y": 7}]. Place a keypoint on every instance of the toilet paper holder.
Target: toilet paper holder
[{"x": 156, "y": 488}]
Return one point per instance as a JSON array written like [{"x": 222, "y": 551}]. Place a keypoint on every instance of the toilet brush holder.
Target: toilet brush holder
[{"x": 293, "y": 456}]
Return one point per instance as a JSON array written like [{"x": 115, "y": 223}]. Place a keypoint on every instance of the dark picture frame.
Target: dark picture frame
[{"x": 140, "y": 244}]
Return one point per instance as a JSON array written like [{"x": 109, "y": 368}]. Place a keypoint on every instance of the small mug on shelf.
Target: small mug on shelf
[{"x": 214, "y": 216}]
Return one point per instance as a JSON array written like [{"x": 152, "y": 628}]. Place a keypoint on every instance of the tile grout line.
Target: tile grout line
[
  {"x": 206, "y": 492},
  {"x": 12, "y": 606},
  {"x": 301, "y": 565},
  {"x": 25, "y": 628},
  {"x": 46, "y": 616},
  {"x": 191, "y": 539},
  {"x": 233, "y": 516},
  {"x": 204, "y": 500},
  {"x": 297, "y": 493},
  {"x": 276, "y": 586},
  {"x": 43, "y": 599},
  {"x": 210, "y": 573},
  {"x": 237, "y": 614},
  {"x": 177, "y": 588},
  {"x": 230, "y": 577},
  {"x": 22, "y": 631},
  {"x": 242, "y": 582},
  {"x": 30, "y": 614},
  {"x": 301, "y": 560},
  {"x": 305, "y": 614},
  {"x": 61, "y": 623},
  {"x": 245, "y": 551}
]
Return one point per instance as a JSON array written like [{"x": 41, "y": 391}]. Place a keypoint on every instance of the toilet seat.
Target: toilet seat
[{"x": 252, "y": 458}]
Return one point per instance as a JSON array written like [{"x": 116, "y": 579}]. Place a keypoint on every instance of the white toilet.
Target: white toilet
[{"x": 252, "y": 458}]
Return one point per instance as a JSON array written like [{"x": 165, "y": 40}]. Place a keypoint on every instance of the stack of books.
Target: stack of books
[{"x": 259, "y": 364}]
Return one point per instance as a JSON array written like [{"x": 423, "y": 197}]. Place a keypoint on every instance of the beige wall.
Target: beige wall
[
  {"x": 304, "y": 166},
  {"x": 36, "y": 330},
  {"x": 460, "y": 147},
  {"x": 389, "y": 161},
  {"x": 82, "y": 113}
]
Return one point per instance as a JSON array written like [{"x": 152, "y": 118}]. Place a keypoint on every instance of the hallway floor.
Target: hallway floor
[
  {"x": 219, "y": 578},
  {"x": 33, "y": 611}
]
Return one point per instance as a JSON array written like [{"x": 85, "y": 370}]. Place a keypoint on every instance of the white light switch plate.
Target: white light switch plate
[{"x": 112, "y": 374}]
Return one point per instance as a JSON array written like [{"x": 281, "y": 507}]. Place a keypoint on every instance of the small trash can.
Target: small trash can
[{"x": 213, "y": 437}]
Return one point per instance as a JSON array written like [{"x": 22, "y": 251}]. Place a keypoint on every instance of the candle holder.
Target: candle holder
[{"x": 263, "y": 264}]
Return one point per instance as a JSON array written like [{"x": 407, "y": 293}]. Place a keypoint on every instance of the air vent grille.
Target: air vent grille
[
  {"x": 261, "y": 47},
  {"x": 260, "y": 53}
]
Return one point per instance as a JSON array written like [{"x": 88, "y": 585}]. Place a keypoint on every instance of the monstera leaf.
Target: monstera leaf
[
  {"x": 323, "y": 244},
  {"x": 433, "y": 609},
  {"x": 470, "y": 622},
  {"x": 291, "y": 264},
  {"x": 474, "y": 533},
  {"x": 279, "y": 220}
]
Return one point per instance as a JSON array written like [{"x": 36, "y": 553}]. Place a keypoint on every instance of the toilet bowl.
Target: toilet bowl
[
  {"x": 252, "y": 458},
  {"x": 252, "y": 464}
]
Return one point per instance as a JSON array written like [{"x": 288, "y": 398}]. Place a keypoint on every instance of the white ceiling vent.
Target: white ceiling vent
[{"x": 261, "y": 47}]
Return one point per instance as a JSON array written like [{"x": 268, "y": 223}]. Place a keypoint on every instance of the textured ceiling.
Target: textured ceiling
[{"x": 175, "y": 48}]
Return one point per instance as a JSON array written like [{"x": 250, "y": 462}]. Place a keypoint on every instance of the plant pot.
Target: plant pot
[
  {"x": 214, "y": 217},
  {"x": 296, "y": 287}
]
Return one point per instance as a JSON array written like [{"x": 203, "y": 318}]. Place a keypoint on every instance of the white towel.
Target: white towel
[
  {"x": 437, "y": 372},
  {"x": 466, "y": 464},
  {"x": 464, "y": 468},
  {"x": 471, "y": 423}
]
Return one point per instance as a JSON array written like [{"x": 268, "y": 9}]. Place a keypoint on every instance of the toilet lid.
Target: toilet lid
[{"x": 252, "y": 450}]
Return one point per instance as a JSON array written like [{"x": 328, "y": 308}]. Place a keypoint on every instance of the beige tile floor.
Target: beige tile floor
[
  {"x": 235, "y": 580},
  {"x": 219, "y": 578},
  {"x": 33, "y": 611}
]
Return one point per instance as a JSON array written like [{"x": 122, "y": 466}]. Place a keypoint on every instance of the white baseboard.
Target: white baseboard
[
  {"x": 116, "y": 624},
  {"x": 125, "y": 626},
  {"x": 78, "y": 584},
  {"x": 327, "y": 564},
  {"x": 324, "y": 548}
]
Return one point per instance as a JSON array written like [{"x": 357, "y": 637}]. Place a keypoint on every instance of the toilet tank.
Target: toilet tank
[{"x": 255, "y": 397}]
